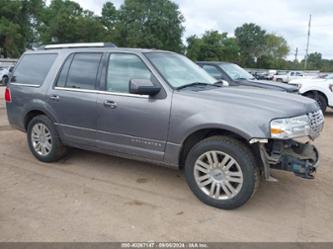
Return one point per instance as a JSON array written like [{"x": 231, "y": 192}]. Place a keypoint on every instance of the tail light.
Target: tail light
[{"x": 8, "y": 96}]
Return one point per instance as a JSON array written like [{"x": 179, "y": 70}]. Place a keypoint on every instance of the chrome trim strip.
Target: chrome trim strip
[
  {"x": 22, "y": 84},
  {"x": 75, "y": 127},
  {"x": 74, "y": 45},
  {"x": 101, "y": 92}
]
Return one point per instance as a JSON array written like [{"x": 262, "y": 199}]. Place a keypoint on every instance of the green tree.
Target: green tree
[
  {"x": 150, "y": 24},
  {"x": 314, "y": 61},
  {"x": 251, "y": 40},
  {"x": 275, "y": 50},
  {"x": 212, "y": 46},
  {"x": 193, "y": 49},
  {"x": 65, "y": 21},
  {"x": 109, "y": 16},
  {"x": 17, "y": 25}
]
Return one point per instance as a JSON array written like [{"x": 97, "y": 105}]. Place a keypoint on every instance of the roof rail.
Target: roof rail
[{"x": 79, "y": 45}]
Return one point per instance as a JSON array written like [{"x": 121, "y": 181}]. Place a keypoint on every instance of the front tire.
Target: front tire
[
  {"x": 321, "y": 100},
  {"x": 221, "y": 171},
  {"x": 44, "y": 141}
]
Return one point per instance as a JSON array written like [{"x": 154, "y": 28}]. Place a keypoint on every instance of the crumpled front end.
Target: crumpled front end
[
  {"x": 300, "y": 158},
  {"x": 294, "y": 152}
]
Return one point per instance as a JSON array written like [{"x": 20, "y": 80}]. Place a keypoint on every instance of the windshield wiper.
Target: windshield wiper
[{"x": 195, "y": 84}]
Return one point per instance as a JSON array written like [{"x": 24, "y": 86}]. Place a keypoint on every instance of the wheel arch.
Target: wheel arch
[
  {"x": 29, "y": 115},
  {"x": 198, "y": 135},
  {"x": 318, "y": 92}
]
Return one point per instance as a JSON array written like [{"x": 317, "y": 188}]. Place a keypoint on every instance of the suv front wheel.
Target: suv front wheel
[
  {"x": 44, "y": 141},
  {"x": 222, "y": 172}
]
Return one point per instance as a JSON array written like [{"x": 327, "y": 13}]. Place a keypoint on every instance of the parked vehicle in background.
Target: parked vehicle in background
[
  {"x": 5, "y": 74},
  {"x": 319, "y": 89},
  {"x": 292, "y": 75},
  {"x": 266, "y": 75},
  {"x": 159, "y": 106},
  {"x": 237, "y": 76}
]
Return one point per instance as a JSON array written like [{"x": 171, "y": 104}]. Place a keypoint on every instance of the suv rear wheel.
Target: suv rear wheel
[
  {"x": 222, "y": 172},
  {"x": 44, "y": 141}
]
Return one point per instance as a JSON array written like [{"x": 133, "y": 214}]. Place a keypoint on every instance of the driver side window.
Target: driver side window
[
  {"x": 122, "y": 68},
  {"x": 213, "y": 71}
]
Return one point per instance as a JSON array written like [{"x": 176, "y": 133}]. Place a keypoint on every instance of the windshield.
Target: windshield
[
  {"x": 235, "y": 72},
  {"x": 178, "y": 70}
]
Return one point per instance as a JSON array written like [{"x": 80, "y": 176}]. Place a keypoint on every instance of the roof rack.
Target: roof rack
[{"x": 79, "y": 45}]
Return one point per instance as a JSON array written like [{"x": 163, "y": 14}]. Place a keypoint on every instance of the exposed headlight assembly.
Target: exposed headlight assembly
[{"x": 287, "y": 128}]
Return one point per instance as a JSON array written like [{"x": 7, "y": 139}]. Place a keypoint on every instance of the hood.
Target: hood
[
  {"x": 269, "y": 85},
  {"x": 272, "y": 104}
]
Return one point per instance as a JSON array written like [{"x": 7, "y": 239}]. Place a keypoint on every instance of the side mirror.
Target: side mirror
[
  {"x": 143, "y": 87},
  {"x": 225, "y": 83}
]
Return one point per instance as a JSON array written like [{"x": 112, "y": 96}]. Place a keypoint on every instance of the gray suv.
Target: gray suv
[{"x": 159, "y": 106}]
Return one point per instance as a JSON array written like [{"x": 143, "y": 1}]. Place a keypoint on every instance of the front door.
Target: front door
[{"x": 129, "y": 123}]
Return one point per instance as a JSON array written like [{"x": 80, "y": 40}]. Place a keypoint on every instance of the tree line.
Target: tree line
[{"x": 159, "y": 24}]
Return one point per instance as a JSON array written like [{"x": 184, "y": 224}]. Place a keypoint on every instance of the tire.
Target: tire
[
  {"x": 5, "y": 80},
  {"x": 223, "y": 197},
  {"x": 321, "y": 100},
  {"x": 41, "y": 130}
]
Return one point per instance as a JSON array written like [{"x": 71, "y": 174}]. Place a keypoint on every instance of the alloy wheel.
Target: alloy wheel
[{"x": 218, "y": 175}]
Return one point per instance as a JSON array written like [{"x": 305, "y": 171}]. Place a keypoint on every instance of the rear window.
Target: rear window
[
  {"x": 33, "y": 68},
  {"x": 80, "y": 71}
]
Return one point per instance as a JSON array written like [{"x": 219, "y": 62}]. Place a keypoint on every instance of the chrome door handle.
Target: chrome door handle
[
  {"x": 54, "y": 97},
  {"x": 110, "y": 103}
]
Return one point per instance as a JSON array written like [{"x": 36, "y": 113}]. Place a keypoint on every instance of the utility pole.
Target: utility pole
[
  {"x": 307, "y": 45},
  {"x": 296, "y": 54}
]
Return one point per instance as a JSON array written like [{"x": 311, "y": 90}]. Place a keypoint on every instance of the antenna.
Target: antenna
[{"x": 307, "y": 44}]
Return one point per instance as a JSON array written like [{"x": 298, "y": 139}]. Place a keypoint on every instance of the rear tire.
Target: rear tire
[
  {"x": 44, "y": 141},
  {"x": 321, "y": 100},
  {"x": 221, "y": 171}
]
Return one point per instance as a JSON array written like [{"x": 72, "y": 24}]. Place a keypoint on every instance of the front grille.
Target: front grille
[{"x": 316, "y": 123}]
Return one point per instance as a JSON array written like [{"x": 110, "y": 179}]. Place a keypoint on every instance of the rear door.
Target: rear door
[{"x": 73, "y": 98}]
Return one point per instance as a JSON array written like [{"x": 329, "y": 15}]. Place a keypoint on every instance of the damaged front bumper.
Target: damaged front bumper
[{"x": 300, "y": 158}]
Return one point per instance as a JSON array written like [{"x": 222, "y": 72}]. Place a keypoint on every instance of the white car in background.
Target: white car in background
[
  {"x": 292, "y": 75},
  {"x": 320, "y": 90},
  {"x": 4, "y": 74}
]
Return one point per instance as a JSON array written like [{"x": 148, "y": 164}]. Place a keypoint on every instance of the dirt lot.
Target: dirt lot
[{"x": 93, "y": 197}]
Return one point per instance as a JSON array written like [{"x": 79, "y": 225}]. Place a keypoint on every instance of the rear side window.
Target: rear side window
[
  {"x": 80, "y": 71},
  {"x": 33, "y": 68}
]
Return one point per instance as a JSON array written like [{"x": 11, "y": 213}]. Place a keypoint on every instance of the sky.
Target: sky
[{"x": 282, "y": 17}]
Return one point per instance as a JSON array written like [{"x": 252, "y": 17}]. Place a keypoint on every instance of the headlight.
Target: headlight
[{"x": 290, "y": 127}]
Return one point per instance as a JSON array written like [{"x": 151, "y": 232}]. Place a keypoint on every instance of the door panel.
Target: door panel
[
  {"x": 74, "y": 98},
  {"x": 76, "y": 114},
  {"x": 128, "y": 123},
  {"x": 137, "y": 126}
]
